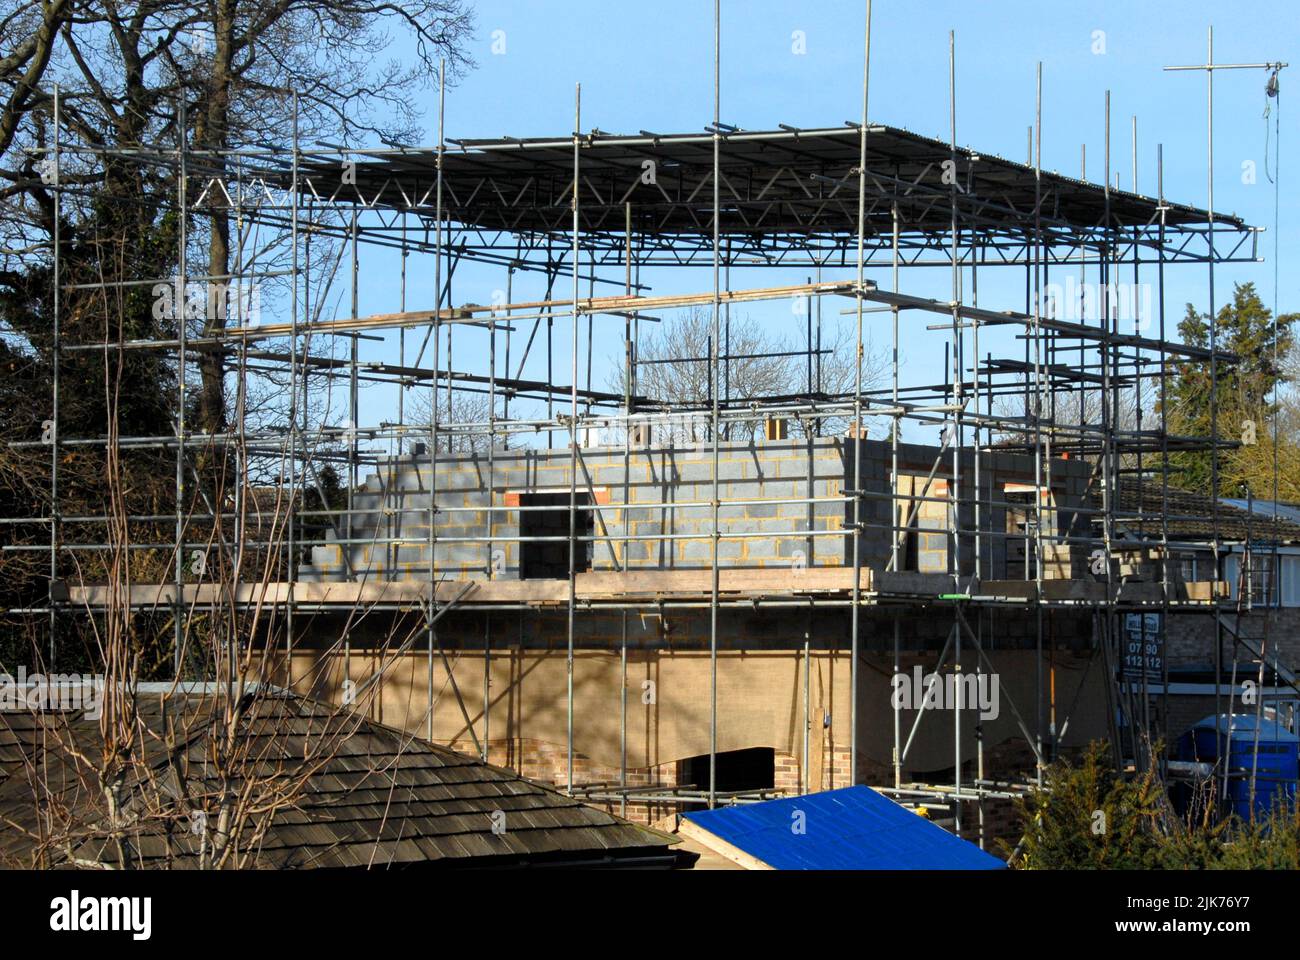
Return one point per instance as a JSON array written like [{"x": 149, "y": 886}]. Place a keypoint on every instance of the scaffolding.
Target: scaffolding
[{"x": 856, "y": 207}]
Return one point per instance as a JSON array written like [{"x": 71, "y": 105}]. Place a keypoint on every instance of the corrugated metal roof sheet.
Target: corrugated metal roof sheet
[
  {"x": 780, "y": 182},
  {"x": 854, "y": 828}
]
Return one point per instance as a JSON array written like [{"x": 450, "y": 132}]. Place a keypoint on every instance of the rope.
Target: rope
[{"x": 1270, "y": 93}]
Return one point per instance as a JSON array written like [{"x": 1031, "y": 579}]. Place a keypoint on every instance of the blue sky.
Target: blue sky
[{"x": 649, "y": 66}]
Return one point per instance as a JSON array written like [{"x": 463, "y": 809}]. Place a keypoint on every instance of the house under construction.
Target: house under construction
[{"x": 660, "y": 605}]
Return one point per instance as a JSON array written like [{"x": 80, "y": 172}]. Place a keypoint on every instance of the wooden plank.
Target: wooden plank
[
  {"x": 592, "y": 586},
  {"x": 759, "y": 581},
  {"x": 1093, "y": 591},
  {"x": 611, "y": 586},
  {"x": 475, "y": 313},
  {"x": 910, "y": 582},
  {"x": 721, "y": 847},
  {"x": 629, "y": 303}
]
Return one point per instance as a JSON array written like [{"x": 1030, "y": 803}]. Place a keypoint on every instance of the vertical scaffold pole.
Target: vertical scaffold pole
[
  {"x": 1164, "y": 448},
  {"x": 296, "y": 409},
  {"x": 55, "y": 350},
  {"x": 1214, "y": 355},
  {"x": 433, "y": 403},
  {"x": 895, "y": 426},
  {"x": 1042, "y": 482},
  {"x": 854, "y": 614},
  {"x": 573, "y": 428},
  {"x": 954, "y": 492},
  {"x": 181, "y": 301},
  {"x": 713, "y": 417}
]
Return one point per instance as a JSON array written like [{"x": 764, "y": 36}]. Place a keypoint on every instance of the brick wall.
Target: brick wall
[
  {"x": 547, "y": 763},
  {"x": 1190, "y": 637}
]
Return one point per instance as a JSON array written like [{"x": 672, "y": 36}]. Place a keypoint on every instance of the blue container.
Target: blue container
[{"x": 1276, "y": 765}]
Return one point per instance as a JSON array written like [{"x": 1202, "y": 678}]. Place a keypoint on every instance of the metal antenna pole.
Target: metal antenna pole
[{"x": 1209, "y": 66}]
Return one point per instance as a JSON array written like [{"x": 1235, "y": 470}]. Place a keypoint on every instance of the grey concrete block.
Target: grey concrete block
[
  {"x": 727, "y": 511},
  {"x": 692, "y": 471},
  {"x": 458, "y": 478},
  {"x": 409, "y": 553},
  {"x": 695, "y": 550},
  {"x": 640, "y": 515},
  {"x": 459, "y": 553},
  {"x": 736, "y": 470},
  {"x": 730, "y": 549},
  {"x": 794, "y": 546},
  {"x": 326, "y": 556}
]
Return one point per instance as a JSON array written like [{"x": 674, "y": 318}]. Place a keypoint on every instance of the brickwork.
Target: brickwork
[
  {"x": 789, "y": 774},
  {"x": 1185, "y": 710},
  {"x": 547, "y": 763},
  {"x": 1190, "y": 637}
]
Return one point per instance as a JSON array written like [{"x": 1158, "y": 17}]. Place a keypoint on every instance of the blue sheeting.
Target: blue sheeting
[
  {"x": 1230, "y": 742},
  {"x": 1265, "y": 508},
  {"x": 854, "y": 828}
]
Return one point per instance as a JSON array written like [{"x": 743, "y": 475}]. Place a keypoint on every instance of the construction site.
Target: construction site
[{"x": 934, "y": 576}]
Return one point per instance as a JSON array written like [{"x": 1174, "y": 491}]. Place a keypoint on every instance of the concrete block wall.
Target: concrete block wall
[
  {"x": 659, "y": 498},
  {"x": 996, "y": 468}
]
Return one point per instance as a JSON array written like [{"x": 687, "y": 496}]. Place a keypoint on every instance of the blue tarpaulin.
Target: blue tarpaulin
[
  {"x": 1230, "y": 742},
  {"x": 854, "y": 828}
]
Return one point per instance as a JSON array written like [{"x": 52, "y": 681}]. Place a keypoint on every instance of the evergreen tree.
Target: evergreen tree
[{"x": 1244, "y": 390}]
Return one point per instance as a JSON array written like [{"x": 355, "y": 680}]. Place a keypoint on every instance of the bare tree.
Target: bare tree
[
  {"x": 22, "y": 68},
  {"x": 674, "y": 370},
  {"x": 186, "y": 774},
  {"x": 460, "y": 419},
  {"x": 215, "y": 76},
  {"x": 138, "y": 83}
]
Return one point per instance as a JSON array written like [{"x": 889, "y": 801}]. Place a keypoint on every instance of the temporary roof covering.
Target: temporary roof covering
[
  {"x": 1267, "y": 509},
  {"x": 785, "y": 181},
  {"x": 1241, "y": 726},
  {"x": 853, "y": 828}
]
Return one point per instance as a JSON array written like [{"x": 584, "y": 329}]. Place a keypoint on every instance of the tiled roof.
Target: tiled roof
[
  {"x": 357, "y": 794},
  {"x": 1191, "y": 515}
]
